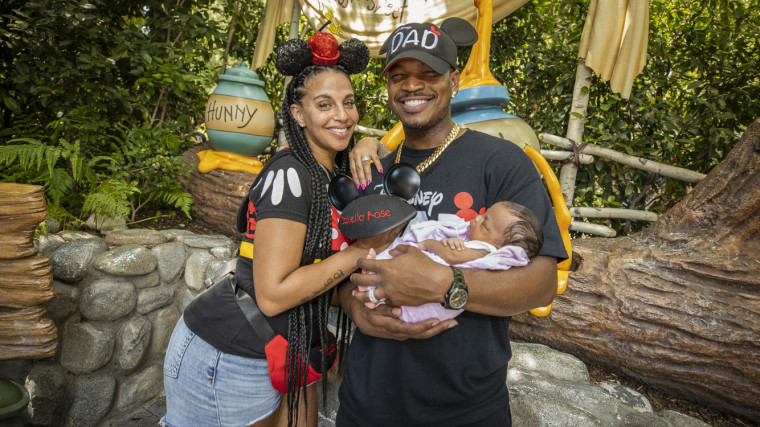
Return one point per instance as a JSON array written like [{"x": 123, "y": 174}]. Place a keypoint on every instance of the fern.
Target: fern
[
  {"x": 179, "y": 199},
  {"x": 31, "y": 154},
  {"x": 110, "y": 199},
  {"x": 59, "y": 185}
]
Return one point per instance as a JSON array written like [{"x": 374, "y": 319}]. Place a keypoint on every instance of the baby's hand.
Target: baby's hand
[{"x": 453, "y": 243}]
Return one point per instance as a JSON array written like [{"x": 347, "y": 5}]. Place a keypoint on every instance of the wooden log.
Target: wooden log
[
  {"x": 676, "y": 306},
  {"x": 26, "y": 333},
  {"x": 217, "y": 194},
  {"x": 26, "y": 282},
  {"x": 22, "y": 208}
]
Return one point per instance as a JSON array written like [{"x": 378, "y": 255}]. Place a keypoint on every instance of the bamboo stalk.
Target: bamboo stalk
[
  {"x": 662, "y": 169},
  {"x": 575, "y": 124},
  {"x": 592, "y": 212},
  {"x": 564, "y": 155},
  {"x": 588, "y": 228}
]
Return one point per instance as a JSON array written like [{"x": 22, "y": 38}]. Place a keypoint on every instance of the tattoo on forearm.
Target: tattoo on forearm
[{"x": 330, "y": 282}]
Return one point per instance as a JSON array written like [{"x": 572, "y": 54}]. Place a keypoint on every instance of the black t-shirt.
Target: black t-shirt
[
  {"x": 281, "y": 190},
  {"x": 459, "y": 376}
]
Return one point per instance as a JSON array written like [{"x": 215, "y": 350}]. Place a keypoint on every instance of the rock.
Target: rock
[
  {"x": 70, "y": 261},
  {"x": 214, "y": 266},
  {"x": 206, "y": 242},
  {"x": 630, "y": 397},
  {"x": 46, "y": 384},
  {"x": 103, "y": 223},
  {"x": 88, "y": 400},
  {"x": 47, "y": 244},
  {"x": 127, "y": 260},
  {"x": 107, "y": 299},
  {"x": 528, "y": 357},
  {"x": 133, "y": 342},
  {"x": 139, "y": 387},
  {"x": 184, "y": 296},
  {"x": 70, "y": 235},
  {"x": 163, "y": 326},
  {"x": 171, "y": 260},
  {"x": 677, "y": 419},
  {"x": 53, "y": 225},
  {"x": 174, "y": 233},
  {"x": 135, "y": 236},
  {"x": 222, "y": 252},
  {"x": 149, "y": 280},
  {"x": 85, "y": 348},
  {"x": 65, "y": 303},
  {"x": 195, "y": 269},
  {"x": 154, "y": 298}
]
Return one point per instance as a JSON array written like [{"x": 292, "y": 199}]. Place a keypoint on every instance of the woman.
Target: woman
[{"x": 215, "y": 368}]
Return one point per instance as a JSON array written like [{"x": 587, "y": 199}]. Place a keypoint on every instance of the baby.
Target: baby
[{"x": 506, "y": 235}]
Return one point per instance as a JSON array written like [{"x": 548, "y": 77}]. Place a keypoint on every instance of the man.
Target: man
[{"x": 449, "y": 373}]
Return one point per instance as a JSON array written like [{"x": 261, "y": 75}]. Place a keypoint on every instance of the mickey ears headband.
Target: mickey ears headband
[
  {"x": 371, "y": 215},
  {"x": 321, "y": 49}
]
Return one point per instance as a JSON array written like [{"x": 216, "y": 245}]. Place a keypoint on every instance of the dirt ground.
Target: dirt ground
[{"x": 658, "y": 399}]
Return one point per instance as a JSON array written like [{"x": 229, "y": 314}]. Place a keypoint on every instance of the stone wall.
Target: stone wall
[{"x": 117, "y": 301}]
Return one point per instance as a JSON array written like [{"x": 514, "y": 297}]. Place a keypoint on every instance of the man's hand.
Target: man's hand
[
  {"x": 410, "y": 278},
  {"x": 382, "y": 321}
]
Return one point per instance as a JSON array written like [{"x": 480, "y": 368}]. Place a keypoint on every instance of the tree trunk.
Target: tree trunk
[
  {"x": 676, "y": 306},
  {"x": 217, "y": 194},
  {"x": 22, "y": 208},
  {"x": 26, "y": 280}
]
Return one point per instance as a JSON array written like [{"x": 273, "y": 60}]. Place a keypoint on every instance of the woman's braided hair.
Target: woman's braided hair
[{"x": 304, "y": 60}]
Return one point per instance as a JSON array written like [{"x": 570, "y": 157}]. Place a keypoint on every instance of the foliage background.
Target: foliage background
[{"x": 98, "y": 98}]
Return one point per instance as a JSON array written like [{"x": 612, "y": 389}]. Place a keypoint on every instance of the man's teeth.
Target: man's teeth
[{"x": 414, "y": 102}]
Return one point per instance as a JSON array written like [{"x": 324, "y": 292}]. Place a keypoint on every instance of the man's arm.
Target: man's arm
[{"x": 412, "y": 279}]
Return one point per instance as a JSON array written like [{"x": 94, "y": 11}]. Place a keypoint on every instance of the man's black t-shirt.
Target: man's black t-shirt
[
  {"x": 459, "y": 376},
  {"x": 281, "y": 190}
]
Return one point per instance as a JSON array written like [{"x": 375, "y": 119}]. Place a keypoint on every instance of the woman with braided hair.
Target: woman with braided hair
[{"x": 215, "y": 370}]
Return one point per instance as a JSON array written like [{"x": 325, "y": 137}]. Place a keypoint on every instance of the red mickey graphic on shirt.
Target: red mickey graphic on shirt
[
  {"x": 464, "y": 202},
  {"x": 251, "y": 229}
]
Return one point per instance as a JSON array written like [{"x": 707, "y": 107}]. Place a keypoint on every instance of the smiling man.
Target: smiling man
[{"x": 450, "y": 373}]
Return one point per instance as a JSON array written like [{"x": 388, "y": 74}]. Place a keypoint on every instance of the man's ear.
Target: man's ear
[{"x": 455, "y": 76}]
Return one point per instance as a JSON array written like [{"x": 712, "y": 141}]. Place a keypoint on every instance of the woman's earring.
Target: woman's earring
[
  {"x": 453, "y": 95},
  {"x": 301, "y": 124}
]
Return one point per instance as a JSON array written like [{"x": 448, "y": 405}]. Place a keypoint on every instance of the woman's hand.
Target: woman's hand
[{"x": 361, "y": 172}]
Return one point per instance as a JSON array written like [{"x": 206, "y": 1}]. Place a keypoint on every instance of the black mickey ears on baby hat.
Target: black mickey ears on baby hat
[
  {"x": 401, "y": 180},
  {"x": 369, "y": 216}
]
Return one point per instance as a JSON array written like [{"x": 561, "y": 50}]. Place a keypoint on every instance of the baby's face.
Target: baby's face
[{"x": 490, "y": 226}]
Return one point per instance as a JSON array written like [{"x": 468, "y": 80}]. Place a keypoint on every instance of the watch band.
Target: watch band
[{"x": 457, "y": 295}]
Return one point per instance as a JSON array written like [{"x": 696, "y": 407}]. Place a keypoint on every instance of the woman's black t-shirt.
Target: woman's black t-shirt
[{"x": 281, "y": 190}]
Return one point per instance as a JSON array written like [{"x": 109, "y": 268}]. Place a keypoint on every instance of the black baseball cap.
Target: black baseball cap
[{"x": 428, "y": 43}]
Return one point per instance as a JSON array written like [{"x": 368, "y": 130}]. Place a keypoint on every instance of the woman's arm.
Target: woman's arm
[{"x": 279, "y": 280}]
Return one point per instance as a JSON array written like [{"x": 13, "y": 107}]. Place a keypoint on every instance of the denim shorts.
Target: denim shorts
[{"x": 206, "y": 387}]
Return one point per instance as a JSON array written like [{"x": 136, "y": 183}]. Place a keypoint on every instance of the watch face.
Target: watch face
[{"x": 458, "y": 299}]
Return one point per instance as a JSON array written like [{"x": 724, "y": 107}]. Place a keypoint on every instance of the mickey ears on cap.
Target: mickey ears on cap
[
  {"x": 462, "y": 33},
  {"x": 401, "y": 180}
]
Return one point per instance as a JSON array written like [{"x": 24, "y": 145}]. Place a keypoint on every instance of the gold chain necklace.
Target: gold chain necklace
[{"x": 433, "y": 157}]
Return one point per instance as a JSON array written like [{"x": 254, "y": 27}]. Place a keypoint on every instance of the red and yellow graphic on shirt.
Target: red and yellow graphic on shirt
[{"x": 464, "y": 202}]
